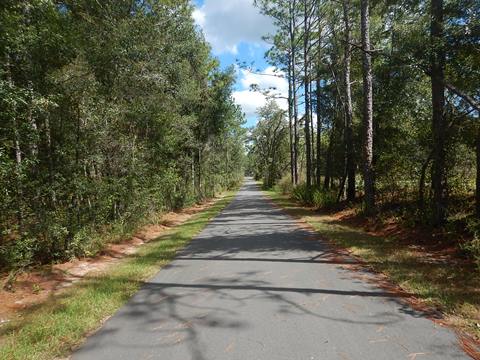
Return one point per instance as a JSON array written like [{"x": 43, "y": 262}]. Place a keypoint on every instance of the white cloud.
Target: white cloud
[
  {"x": 199, "y": 17},
  {"x": 267, "y": 79},
  {"x": 250, "y": 101},
  {"x": 226, "y": 23}
]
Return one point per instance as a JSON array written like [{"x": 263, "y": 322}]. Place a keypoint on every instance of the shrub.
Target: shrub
[
  {"x": 285, "y": 185},
  {"x": 473, "y": 246},
  {"x": 301, "y": 194},
  {"x": 317, "y": 197},
  {"x": 18, "y": 254},
  {"x": 323, "y": 198}
]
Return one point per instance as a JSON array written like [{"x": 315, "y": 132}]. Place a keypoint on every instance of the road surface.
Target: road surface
[{"x": 254, "y": 285}]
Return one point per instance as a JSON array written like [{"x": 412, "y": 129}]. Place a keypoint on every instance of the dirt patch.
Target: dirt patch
[
  {"x": 433, "y": 246},
  {"x": 35, "y": 286}
]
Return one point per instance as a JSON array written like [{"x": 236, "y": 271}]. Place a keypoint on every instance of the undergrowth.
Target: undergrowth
[{"x": 52, "y": 329}]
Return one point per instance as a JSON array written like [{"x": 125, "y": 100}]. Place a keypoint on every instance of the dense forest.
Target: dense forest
[
  {"x": 110, "y": 112},
  {"x": 383, "y": 107},
  {"x": 131, "y": 227},
  {"x": 114, "y": 111}
]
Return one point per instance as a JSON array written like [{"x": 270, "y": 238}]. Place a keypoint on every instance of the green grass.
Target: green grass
[
  {"x": 455, "y": 290},
  {"x": 53, "y": 329}
]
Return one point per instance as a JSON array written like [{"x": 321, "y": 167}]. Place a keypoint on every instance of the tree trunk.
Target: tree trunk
[
  {"x": 421, "y": 185},
  {"x": 368, "y": 175},
  {"x": 18, "y": 172},
  {"x": 192, "y": 155},
  {"x": 477, "y": 192},
  {"x": 199, "y": 174},
  {"x": 319, "y": 131},
  {"x": 50, "y": 157},
  {"x": 296, "y": 135},
  {"x": 294, "y": 87},
  {"x": 312, "y": 129},
  {"x": 350, "y": 151},
  {"x": 33, "y": 123},
  {"x": 327, "y": 183},
  {"x": 318, "y": 95},
  {"x": 18, "y": 153},
  {"x": 307, "y": 96},
  {"x": 438, "y": 106},
  {"x": 290, "y": 122}
]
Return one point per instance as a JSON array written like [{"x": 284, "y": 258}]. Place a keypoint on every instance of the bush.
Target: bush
[
  {"x": 285, "y": 185},
  {"x": 18, "y": 254},
  {"x": 317, "y": 197},
  {"x": 473, "y": 246},
  {"x": 323, "y": 198},
  {"x": 301, "y": 194}
]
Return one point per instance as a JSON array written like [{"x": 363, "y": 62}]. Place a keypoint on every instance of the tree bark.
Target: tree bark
[
  {"x": 421, "y": 185},
  {"x": 32, "y": 122},
  {"x": 307, "y": 96},
  {"x": 368, "y": 174},
  {"x": 312, "y": 129},
  {"x": 18, "y": 152},
  {"x": 477, "y": 180},
  {"x": 319, "y": 132},
  {"x": 318, "y": 96},
  {"x": 350, "y": 151},
  {"x": 290, "y": 122},
  {"x": 438, "y": 106},
  {"x": 294, "y": 87},
  {"x": 328, "y": 161}
]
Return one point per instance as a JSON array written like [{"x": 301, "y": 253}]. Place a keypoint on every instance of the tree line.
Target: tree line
[
  {"x": 110, "y": 111},
  {"x": 383, "y": 103}
]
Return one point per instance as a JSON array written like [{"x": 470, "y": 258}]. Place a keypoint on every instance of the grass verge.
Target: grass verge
[
  {"x": 54, "y": 328},
  {"x": 454, "y": 290}
]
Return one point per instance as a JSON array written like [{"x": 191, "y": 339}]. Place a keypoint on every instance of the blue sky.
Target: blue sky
[{"x": 235, "y": 28}]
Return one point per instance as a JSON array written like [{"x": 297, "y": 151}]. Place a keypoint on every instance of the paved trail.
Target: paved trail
[{"x": 253, "y": 286}]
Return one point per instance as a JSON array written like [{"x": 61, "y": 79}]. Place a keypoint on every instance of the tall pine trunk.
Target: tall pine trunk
[
  {"x": 368, "y": 175},
  {"x": 318, "y": 95},
  {"x": 319, "y": 131},
  {"x": 438, "y": 106},
  {"x": 293, "y": 50},
  {"x": 312, "y": 128},
  {"x": 350, "y": 151},
  {"x": 290, "y": 122},
  {"x": 306, "y": 80},
  {"x": 477, "y": 180},
  {"x": 18, "y": 152}
]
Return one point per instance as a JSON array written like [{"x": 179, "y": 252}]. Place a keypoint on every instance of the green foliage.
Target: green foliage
[
  {"x": 403, "y": 138},
  {"x": 268, "y": 155},
  {"x": 52, "y": 329},
  {"x": 316, "y": 197},
  {"x": 18, "y": 253},
  {"x": 285, "y": 185},
  {"x": 302, "y": 194},
  {"x": 109, "y": 112},
  {"x": 473, "y": 246},
  {"x": 322, "y": 198}
]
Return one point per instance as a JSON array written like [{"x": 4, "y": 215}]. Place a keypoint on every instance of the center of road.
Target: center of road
[{"x": 254, "y": 285}]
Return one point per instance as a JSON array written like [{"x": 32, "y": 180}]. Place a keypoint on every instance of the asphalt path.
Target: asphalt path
[{"x": 255, "y": 285}]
